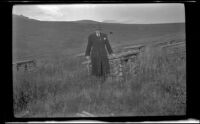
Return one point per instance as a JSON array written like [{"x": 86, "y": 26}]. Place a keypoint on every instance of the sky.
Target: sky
[{"x": 121, "y": 13}]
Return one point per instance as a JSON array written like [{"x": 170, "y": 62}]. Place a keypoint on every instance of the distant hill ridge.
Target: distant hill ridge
[
  {"x": 32, "y": 37},
  {"x": 22, "y": 17}
]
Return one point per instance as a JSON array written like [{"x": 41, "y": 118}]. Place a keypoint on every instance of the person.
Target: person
[{"x": 96, "y": 52}]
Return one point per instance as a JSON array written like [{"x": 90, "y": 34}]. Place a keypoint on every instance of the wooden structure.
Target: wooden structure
[
  {"x": 174, "y": 45},
  {"x": 123, "y": 62},
  {"x": 24, "y": 65},
  {"x": 126, "y": 60},
  {"x": 139, "y": 47}
]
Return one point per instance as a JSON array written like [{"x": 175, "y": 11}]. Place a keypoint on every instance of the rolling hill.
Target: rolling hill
[{"x": 33, "y": 37}]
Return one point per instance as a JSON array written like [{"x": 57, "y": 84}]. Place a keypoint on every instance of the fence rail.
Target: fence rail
[
  {"x": 25, "y": 65},
  {"x": 122, "y": 55}
]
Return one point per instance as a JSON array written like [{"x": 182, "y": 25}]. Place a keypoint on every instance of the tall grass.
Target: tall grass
[{"x": 62, "y": 88}]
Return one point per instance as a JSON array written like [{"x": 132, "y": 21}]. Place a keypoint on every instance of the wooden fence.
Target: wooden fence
[
  {"x": 24, "y": 65},
  {"x": 122, "y": 62}
]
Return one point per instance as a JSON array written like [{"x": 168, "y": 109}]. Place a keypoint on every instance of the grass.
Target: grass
[
  {"x": 31, "y": 37},
  {"x": 61, "y": 88}
]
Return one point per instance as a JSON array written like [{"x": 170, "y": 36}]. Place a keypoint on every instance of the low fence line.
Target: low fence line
[
  {"x": 25, "y": 64},
  {"x": 128, "y": 58},
  {"x": 129, "y": 52}
]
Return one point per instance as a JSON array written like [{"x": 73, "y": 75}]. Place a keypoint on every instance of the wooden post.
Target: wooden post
[{"x": 25, "y": 64}]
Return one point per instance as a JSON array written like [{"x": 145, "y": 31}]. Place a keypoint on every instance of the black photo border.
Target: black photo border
[{"x": 191, "y": 65}]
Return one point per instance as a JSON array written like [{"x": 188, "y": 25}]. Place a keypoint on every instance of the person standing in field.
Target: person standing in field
[{"x": 97, "y": 51}]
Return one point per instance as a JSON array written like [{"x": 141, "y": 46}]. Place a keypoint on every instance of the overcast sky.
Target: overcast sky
[{"x": 123, "y": 13}]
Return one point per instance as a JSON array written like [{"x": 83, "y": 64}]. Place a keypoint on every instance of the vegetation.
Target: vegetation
[{"x": 62, "y": 87}]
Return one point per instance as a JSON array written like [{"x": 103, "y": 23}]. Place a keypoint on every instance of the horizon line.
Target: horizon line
[{"x": 104, "y": 21}]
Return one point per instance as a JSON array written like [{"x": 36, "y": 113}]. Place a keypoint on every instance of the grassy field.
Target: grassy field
[{"x": 62, "y": 88}]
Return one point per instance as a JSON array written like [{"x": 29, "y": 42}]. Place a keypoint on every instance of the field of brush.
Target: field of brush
[{"x": 61, "y": 87}]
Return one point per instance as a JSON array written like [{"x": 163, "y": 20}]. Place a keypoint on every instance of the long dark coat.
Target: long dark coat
[{"x": 96, "y": 49}]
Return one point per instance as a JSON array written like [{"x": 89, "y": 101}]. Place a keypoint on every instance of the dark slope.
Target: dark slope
[{"x": 33, "y": 37}]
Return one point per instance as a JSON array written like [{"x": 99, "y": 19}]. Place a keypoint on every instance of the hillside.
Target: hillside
[
  {"x": 33, "y": 37},
  {"x": 153, "y": 83}
]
